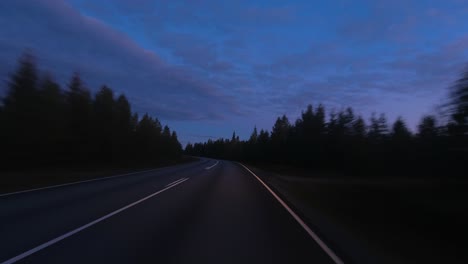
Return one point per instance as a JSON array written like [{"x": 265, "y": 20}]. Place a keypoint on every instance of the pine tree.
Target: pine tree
[
  {"x": 22, "y": 94},
  {"x": 122, "y": 128},
  {"x": 345, "y": 121},
  {"x": 400, "y": 131},
  {"x": 280, "y": 130},
  {"x": 233, "y": 138},
  {"x": 427, "y": 128},
  {"x": 254, "y": 136},
  {"x": 378, "y": 127},
  {"x": 382, "y": 123},
  {"x": 79, "y": 117},
  {"x": 103, "y": 123},
  {"x": 359, "y": 128},
  {"x": 20, "y": 111},
  {"x": 52, "y": 115},
  {"x": 148, "y": 134}
]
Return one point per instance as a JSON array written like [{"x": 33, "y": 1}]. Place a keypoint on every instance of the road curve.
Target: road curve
[{"x": 204, "y": 212}]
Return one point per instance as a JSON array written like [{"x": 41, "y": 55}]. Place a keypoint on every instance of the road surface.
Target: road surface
[{"x": 204, "y": 212}]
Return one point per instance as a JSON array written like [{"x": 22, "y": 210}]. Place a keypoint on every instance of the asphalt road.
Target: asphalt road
[{"x": 213, "y": 212}]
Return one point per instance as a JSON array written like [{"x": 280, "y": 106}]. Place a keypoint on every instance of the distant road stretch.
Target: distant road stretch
[{"x": 205, "y": 212}]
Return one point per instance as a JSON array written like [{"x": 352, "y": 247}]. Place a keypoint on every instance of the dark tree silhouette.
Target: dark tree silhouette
[
  {"x": 401, "y": 143},
  {"x": 20, "y": 111},
  {"x": 400, "y": 131},
  {"x": 458, "y": 106},
  {"x": 279, "y": 136},
  {"x": 458, "y": 123},
  {"x": 103, "y": 122},
  {"x": 148, "y": 134},
  {"x": 79, "y": 118},
  {"x": 253, "y": 137},
  {"x": 176, "y": 148},
  {"x": 378, "y": 127},
  {"x": 124, "y": 126},
  {"x": 42, "y": 125},
  {"x": 343, "y": 142},
  {"x": 359, "y": 128},
  {"x": 52, "y": 115},
  {"x": 427, "y": 129}
]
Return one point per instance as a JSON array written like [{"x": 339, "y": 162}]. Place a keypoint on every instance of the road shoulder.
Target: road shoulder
[
  {"x": 24, "y": 180},
  {"x": 373, "y": 221}
]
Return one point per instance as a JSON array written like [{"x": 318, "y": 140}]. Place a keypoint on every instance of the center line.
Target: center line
[
  {"x": 79, "y": 229},
  {"x": 178, "y": 181},
  {"x": 209, "y": 168}
]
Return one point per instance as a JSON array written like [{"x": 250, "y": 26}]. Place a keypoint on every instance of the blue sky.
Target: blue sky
[{"x": 207, "y": 68}]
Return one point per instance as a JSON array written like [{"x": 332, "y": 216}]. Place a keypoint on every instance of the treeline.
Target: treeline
[
  {"x": 42, "y": 124},
  {"x": 345, "y": 142}
]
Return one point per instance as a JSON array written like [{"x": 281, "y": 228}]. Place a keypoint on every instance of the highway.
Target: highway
[{"x": 208, "y": 211}]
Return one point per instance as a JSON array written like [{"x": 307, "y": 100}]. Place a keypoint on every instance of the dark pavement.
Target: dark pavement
[{"x": 218, "y": 215}]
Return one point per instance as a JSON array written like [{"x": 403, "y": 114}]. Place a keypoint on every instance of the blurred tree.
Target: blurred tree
[
  {"x": 148, "y": 134},
  {"x": 43, "y": 125},
  {"x": 264, "y": 145},
  {"x": 52, "y": 115},
  {"x": 251, "y": 150},
  {"x": 254, "y": 136},
  {"x": 345, "y": 122},
  {"x": 319, "y": 121},
  {"x": 382, "y": 124},
  {"x": 305, "y": 125},
  {"x": 378, "y": 127},
  {"x": 189, "y": 149},
  {"x": 234, "y": 137},
  {"x": 165, "y": 144},
  {"x": 20, "y": 110},
  {"x": 123, "y": 127},
  {"x": 359, "y": 128},
  {"x": 166, "y": 132},
  {"x": 103, "y": 127},
  {"x": 176, "y": 147},
  {"x": 427, "y": 128},
  {"x": 332, "y": 126},
  {"x": 22, "y": 94},
  {"x": 279, "y": 138},
  {"x": 401, "y": 147},
  {"x": 458, "y": 106},
  {"x": 400, "y": 131},
  {"x": 79, "y": 117}
]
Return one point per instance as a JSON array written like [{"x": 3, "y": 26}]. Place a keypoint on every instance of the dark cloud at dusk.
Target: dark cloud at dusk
[{"x": 207, "y": 68}]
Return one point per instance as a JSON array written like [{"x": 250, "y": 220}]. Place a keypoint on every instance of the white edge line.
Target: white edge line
[
  {"x": 175, "y": 182},
  {"x": 62, "y": 237},
  {"x": 210, "y": 167},
  {"x": 317, "y": 239},
  {"x": 78, "y": 182}
]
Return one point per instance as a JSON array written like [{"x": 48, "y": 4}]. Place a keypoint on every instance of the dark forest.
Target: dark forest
[
  {"x": 342, "y": 141},
  {"x": 43, "y": 125}
]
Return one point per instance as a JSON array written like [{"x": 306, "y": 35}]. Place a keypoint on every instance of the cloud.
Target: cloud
[
  {"x": 190, "y": 49},
  {"x": 390, "y": 81},
  {"x": 65, "y": 41},
  {"x": 269, "y": 15}
]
